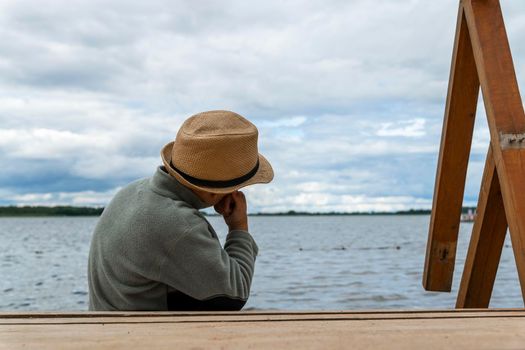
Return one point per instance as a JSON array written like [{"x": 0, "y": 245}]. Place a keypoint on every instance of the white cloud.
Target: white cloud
[
  {"x": 42, "y": 143},
  {"x": 83, "y": 198},
  {"x": 404, "y": 128},
  {"x": 269, "y": 199},
  {"x": 291, "y": 122},
  {"x": 231, "y": 54}
]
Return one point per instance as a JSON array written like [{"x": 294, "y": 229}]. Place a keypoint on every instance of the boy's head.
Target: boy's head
[{"x": 215, "y": 153}]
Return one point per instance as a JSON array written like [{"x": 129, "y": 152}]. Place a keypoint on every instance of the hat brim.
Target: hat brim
[{"x": 263, "y": 175}]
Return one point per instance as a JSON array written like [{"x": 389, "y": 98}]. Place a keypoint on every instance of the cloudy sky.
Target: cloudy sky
[{"x": 348, "y": 95}]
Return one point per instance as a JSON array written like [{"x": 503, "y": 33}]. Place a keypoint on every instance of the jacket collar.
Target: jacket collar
[{"x": 166, "y": 185}]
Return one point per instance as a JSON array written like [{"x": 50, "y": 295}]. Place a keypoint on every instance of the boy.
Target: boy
[{"x": 153, "y": 250}]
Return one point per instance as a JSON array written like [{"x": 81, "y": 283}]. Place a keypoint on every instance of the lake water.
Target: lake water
[{"x": 304, "y": 263}]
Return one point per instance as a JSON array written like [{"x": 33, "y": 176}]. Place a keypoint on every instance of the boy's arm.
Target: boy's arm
[{"x": 206, "y": 276}]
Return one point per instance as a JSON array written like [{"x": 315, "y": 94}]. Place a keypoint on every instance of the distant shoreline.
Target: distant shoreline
[
  {"x": 10, "y": 211},
  {"x": 42, "y": 211}
]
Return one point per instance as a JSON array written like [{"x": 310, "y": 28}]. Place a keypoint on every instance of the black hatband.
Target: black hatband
[{"x": 217, "y": 183}]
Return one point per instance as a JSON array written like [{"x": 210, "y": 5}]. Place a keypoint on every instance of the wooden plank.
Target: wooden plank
[
  {"x": 506, "y": 117},
  {"x": 482, "y": 332},
  {"x": 486, "y": 244},
  {"x": 454, "y": 153},
  {"x": 66, "y": 319}
]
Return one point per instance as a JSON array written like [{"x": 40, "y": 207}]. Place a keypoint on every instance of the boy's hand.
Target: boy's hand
[{"x": 233, "y": 209}]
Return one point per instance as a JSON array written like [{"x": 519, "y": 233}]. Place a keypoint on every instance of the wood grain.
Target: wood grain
[
  {"x": 463, "y": 329},
  {"x": 486, "y": 244},
  {"x": 454, "y": 153},
  {"x": 505, "y": 113}
]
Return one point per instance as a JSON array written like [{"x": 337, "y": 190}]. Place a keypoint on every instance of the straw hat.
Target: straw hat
[{"x": 216, "y": 151}]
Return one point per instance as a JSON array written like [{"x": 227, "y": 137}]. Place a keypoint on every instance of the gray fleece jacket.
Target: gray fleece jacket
[{"x": 153, "y": 250}]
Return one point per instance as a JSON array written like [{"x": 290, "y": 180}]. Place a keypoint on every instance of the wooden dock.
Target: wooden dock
[{"x": 458, "y": 329}]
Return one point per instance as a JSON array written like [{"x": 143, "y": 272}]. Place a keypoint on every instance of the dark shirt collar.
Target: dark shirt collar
[{"x": 166, "y": 185}]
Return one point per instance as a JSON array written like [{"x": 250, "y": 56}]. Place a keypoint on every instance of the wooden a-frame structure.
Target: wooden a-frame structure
[{"x": 481, "y": 57}]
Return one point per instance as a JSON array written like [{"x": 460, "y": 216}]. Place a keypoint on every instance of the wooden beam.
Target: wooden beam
[
  {"x": 436, "y": 329},
  {"x": 506, "y": 117},
  {"x": 486, "y": 244},
  {"x": 454, "y": 153}
]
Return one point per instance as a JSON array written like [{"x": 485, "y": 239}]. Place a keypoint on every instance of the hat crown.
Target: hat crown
[
  {"x": 217, "y": 123},
  {"x": 216, "y": 145}
]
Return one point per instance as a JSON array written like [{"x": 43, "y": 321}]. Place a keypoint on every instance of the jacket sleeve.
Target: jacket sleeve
[{"x": 198, "y": 267}]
